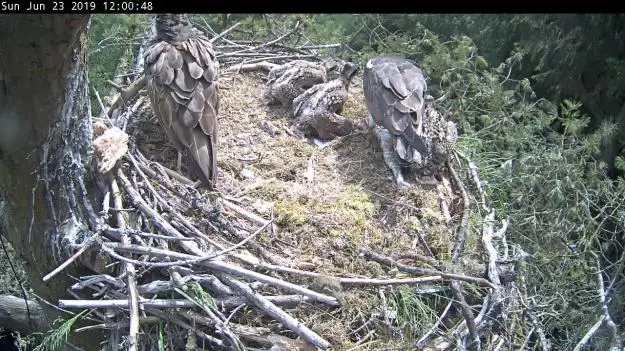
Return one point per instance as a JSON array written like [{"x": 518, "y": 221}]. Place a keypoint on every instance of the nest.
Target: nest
[{"x": 292, "y": 250}]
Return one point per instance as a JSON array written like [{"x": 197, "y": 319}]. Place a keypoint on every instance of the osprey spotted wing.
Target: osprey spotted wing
[{"x": 411, "y": 131}]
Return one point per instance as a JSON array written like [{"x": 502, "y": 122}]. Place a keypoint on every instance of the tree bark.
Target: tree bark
[
  {"x": 45, "y": 147},
  {"x": 16, "y": 316}
]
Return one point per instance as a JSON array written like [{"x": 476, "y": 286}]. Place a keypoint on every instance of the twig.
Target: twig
[
  {"x": 279, "y": 57},
  {"x": 467, "y": 314},
  {"x": 263, "y": 65},
  {"x": 222, "y": 34},
  {"x": 605, "y": 316},
  {"x": 126, "y": 115},
  {"x": 443, "y": 203},
  {"x": 13, "y": 270},
  {"x": 199, "y": 259},
  {"x": 225, "y": 268},
  {"x": 415, "y": 256},
  {"x": 117, "y": 87},
  {"x": 163, "y": 179},
  {"x": 421, "y": 342},
  {"x": 487, "y": 236},
  {"x": 116, "y": 325},
  {"x": 422, "y": 271},
  {"x": 214, "y": 341},
  {"x": 245, "y": 213},
  {"x": 319, "y": 46},
  {"x": 260, "y": 249},
  {"x": 408, "y": 281},
  {"x": 104, "y": 111},
  {"x": 165, "y": 204},
  {"x": 248, "y": 54},
  {"x": 179, "y": 177},
  {"x": 350, "y": 281},
  {"x": 476, "y": 178},
  {"x": 228, "y": 303},
  {"x": 527, "y": 339},
  {"x": 117, "y": 233},
  {"x": 242, "y": 242},
  {"x": 590, "y": 333},
  {"x": 127, "y": 94},
  {"x": 133, "y": 296},
  {"x": 425, "y": 210},
  {"x": 230, "y": 339},
  {"x": 158, "y": 220},
  {"x": 69, "y": 261},
  {"x": 256, "y": 48},
  {"x": 464, "y": 223},
  {"x": 167, "y": 227},
  {"x": 275, "y": 312},
  {"x": 456, "y": 287},
  {"x": 542, "y": 336},
  {"x": 254, "y": 335}
]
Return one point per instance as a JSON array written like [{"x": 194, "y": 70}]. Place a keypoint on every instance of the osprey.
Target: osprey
[
  {"x": 317, "y": 110},
  {"x": 181, "y": 72},
  {"x": 287, "y": 81},
  {"x": 411, "y": 132}
]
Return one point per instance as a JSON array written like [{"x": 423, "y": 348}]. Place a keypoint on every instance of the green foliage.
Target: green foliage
[
  {"x": 161, "y": 337},
  {"x": 111, "y": 44},
  {"x": 415, "y": 313},
  {"x": 552, "y": 182},
  {"x": 203, "y": 297},
  {"x": 55, "y": 338}
]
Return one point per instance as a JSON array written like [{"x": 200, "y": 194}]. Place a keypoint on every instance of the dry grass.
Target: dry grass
[{"x": 349, "y": 202}]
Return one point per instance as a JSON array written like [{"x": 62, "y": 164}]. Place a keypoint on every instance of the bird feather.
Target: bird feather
[{"x": 181, "y": 72}]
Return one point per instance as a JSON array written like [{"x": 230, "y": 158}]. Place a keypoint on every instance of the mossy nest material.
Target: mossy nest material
[{"x": 327, "y": 202}]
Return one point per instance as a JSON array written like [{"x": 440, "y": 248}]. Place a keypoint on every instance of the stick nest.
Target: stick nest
[{"x": 302, "y": 247}]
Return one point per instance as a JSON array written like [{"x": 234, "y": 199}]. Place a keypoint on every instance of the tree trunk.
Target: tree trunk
[{"x": 45, "y": 147}]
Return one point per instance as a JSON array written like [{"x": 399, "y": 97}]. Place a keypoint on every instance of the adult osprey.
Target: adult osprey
[
  {"x": 182, "y": 71},
  {"x": 411, "y": 132}
]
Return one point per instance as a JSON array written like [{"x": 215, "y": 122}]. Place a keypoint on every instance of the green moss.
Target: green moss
[
  {"x": 440, "y": 240},
  {"x": 356, "y": 205},
  {"x": 291, "y": 213},
  {"x": 269, "y": 191},
  {"x": 413, "y": 223}
]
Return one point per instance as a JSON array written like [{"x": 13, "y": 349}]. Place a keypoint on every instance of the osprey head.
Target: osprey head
[
  {"x": 349, "y": 70},
  {"x": 172, "y": 27}
]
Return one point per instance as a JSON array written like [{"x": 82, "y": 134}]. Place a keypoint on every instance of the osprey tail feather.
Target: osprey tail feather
[{"x": 202, "y": 159}]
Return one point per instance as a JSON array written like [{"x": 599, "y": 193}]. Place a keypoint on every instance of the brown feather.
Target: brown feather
[
  {"x": 197, "y": 100},
  {"x": 166, "y": 75},
  {"x": 154, "y": 53},
  {"x": 394, "y": 92},
  {"x": 195, "y": 70},
  {"x": 184, "y": 81},
  {"x": 181, "y": 71},
  {"x": 174, "y": 59}
]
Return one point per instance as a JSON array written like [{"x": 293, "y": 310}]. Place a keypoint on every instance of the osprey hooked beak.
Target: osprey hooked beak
[{"x": 350, "y": 69}]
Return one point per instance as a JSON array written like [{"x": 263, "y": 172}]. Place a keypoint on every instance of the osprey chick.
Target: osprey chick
[
  {"x": 287, "y": 81},
  {"x": 181, "y": 72},
  {"x": 316, "y": 111},
  {"x": 411, "y": 133}
]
